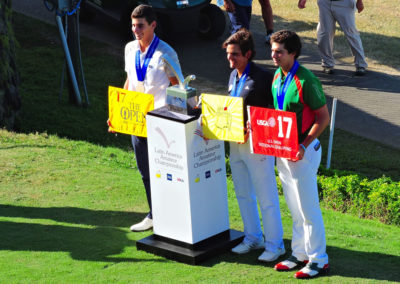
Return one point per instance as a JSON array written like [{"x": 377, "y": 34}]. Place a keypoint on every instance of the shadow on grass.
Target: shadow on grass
[
  {"x": 343, "y": 263},
  {"x": 97, "y": 244},
  {"x": 90, "y": 244},
  {"x": 73, "y": 215}
]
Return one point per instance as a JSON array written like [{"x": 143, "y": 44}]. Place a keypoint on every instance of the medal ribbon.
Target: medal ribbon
[
  {"x": 236, "y": 91},
  {"x": 141, "y": 71},
  {"x": 282, "y": 92}
]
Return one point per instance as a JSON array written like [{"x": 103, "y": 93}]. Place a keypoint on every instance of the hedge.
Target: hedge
[
  {"x": 355, "y": 194},
  {"x": 349, "y": 192}
]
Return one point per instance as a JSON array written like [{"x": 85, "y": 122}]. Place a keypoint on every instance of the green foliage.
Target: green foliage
[
  {"x": 9, "y": 80},
  {"x": 353, "y": 193},
  {"x": 7, "y": 46}
]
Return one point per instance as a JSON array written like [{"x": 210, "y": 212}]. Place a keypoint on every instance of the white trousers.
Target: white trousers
[
  {"x": 299, "y": 183},
  {"x": 254, "y": 179},
  {"x": 343, "y": 12}
]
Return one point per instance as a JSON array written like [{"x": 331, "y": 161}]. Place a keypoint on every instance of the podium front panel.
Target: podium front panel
[
  {"x": 207, "y": 183},
  {"x": 188, "y": 181}
]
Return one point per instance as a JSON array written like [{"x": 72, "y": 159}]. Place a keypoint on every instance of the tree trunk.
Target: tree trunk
[{"x": 10, "y": 102}]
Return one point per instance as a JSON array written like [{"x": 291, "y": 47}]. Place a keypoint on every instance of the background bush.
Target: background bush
[{"x": 355, "y": 194}]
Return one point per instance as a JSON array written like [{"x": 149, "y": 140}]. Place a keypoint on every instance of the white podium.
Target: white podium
[{"x": 188, "y": 190}]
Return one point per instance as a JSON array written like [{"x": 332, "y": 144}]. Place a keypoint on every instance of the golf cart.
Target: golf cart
[{"x": 173, "y": 15}]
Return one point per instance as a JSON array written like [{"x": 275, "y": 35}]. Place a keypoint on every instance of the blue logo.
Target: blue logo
[
  {"x": 208, "y": 174},
  {"x": 169, "y": 177}
]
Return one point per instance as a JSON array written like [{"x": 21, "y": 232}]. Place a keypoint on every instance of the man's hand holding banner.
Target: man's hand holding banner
[
  {"x": 222, "y": 117},
  {"x": 273, "y": 132},
  {"x": 127, "y": 111}
]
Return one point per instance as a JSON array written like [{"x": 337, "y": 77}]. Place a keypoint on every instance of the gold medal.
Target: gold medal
[{"x": 140, "y": 86}]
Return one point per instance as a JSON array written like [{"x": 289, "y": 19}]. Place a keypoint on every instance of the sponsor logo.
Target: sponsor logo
[
  {"x": 269, "y": 123},
  {"x": 158, "y": 174},
  {"x": 169, "y": 177},
  {"x": 180, "y": 179},
  {"x": 197, "y": 179},
  {"x": 164, "y": 137},
  {"x": 208, "y": 174},
  {"x": 218, "y": 170}
]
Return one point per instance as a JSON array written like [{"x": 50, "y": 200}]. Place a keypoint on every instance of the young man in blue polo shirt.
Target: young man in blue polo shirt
[{"x": 253, "y": 175}]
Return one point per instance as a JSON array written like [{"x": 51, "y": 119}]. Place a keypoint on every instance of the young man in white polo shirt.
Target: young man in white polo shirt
[{"x": 147, "y": 73}]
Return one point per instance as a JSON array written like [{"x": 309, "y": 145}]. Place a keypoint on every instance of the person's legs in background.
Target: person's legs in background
[
  {"x": 268, "y": 18},
  {"x": 240, "y": 17}
]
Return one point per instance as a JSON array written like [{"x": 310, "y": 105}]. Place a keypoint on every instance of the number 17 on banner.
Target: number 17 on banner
[{"x": 273, "y": 132}]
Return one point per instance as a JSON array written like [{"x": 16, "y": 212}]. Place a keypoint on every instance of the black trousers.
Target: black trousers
[{"x": 142, "y": 160}]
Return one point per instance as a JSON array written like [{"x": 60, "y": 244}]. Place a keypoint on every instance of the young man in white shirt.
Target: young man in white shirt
[{"x": 147, "y": 73}]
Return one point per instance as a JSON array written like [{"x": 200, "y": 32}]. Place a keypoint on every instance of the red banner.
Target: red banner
[{"x": 273, "y": 132}]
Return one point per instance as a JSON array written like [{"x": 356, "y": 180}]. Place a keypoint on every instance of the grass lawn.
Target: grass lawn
[
  {"x": 66, "y": 207},
  {"x": 69, "y": 192}
]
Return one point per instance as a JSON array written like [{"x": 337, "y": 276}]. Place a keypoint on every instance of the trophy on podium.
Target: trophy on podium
[{"x": 180, "y": 98}]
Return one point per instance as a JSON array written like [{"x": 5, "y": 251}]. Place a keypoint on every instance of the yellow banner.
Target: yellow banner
[
  {"x": 222, "y": 117},
  {"x": 127, "y": 111}
]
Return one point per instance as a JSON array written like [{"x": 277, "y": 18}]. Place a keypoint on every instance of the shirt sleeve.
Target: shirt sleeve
[{"x": 313, "y": 94}]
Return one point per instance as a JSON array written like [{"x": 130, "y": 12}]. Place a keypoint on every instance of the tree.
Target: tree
[{"x": 10, "y": 102}]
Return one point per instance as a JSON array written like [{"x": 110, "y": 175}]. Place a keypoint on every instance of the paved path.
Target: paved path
[{"x": 368, "y": 106}]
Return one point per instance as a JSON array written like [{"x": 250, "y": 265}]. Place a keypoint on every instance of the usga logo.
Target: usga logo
[
  {"x": 180, "y": 179},
  {"x": 169, "y": 177},
  {"x": 269, "y": 123}
]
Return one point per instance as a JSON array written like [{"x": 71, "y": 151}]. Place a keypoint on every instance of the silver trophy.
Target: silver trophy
[{"x": 180, "y": 98}]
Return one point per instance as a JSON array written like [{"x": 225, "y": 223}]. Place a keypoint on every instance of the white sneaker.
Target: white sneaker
[
  {"x": 245, "y": 248},
  {"x": 146, "y": 224},
  {"x": 268, "y": 256}
]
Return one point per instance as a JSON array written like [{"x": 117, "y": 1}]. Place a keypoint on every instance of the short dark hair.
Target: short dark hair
[
  {"x": 244, "y": 39},
  {"x": 144, "y": 11},
  {"x": 289, "y": 39}
]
